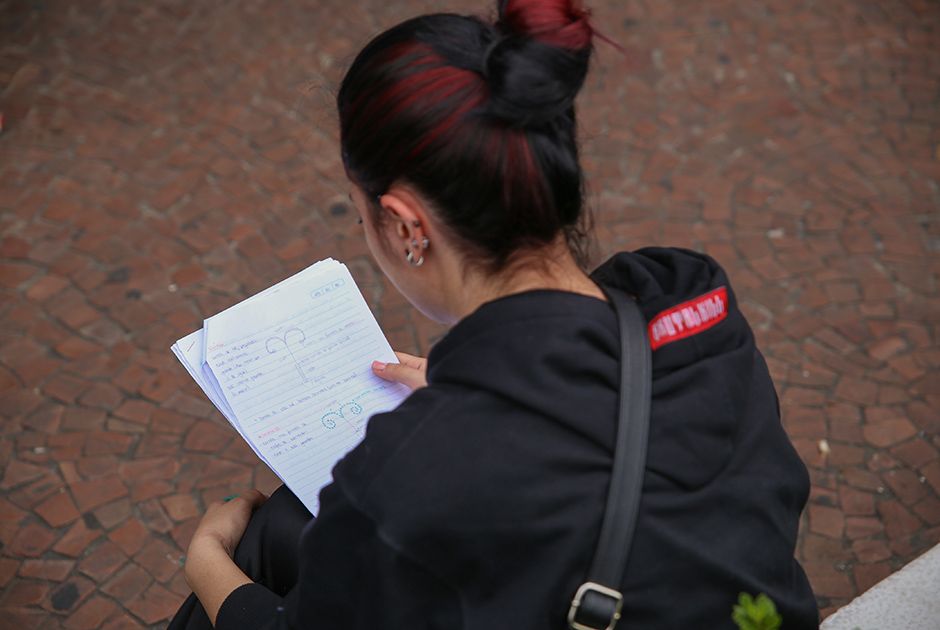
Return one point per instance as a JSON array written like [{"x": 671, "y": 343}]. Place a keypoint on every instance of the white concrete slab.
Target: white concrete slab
[{"x": 906, "y": 600}]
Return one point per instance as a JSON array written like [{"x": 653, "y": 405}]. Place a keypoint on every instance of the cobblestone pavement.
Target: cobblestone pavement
[{"x": 163, "y": 160}]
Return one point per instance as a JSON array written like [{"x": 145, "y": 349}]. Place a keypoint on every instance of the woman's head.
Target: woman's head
[{"x": 477, "y": 121}]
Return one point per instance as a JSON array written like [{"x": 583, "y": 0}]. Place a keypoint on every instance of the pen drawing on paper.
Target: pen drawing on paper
[{"x": 285, "y": 340}]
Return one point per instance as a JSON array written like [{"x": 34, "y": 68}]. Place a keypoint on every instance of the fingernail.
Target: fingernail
[{"x": 378, "y": 366}]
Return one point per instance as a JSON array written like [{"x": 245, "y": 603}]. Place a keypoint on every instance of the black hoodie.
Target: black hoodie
[{"x": 476, "y": 504}]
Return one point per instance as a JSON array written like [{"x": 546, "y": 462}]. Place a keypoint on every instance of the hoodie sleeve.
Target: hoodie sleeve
[{"x": 350, "y": 579}]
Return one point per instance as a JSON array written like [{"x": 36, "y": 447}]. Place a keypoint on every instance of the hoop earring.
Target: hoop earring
[{"x": 410, "y": 257}]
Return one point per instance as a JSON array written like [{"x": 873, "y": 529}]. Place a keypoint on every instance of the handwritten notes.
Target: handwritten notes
[{"x": 290, "y": 369}]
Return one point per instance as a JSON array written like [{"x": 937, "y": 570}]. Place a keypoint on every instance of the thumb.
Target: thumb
[
  {"x": 400, "y": 373},
  {"x": 254, "y": 497}
]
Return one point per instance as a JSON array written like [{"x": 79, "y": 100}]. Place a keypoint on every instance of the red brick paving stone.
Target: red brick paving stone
[
  {"x": 155, "y": 604},
  {"x": 898, "y": 521},
  {"x": 107, "y": 443},
  {"x": 10, "y": 514},
  {"x": 58, "y": 510},
  {"x": 915, "y": 453},
  {"x": 145, "y": 469},
  {"x": 150, "y": 489},
  {"x": 8, "y": 568},
  {"x": 77, "y": 539},
  {"x": 155, "y": 444},
  {"x": 80, "y": 419},
  {"x": 219, "y": 472},
  {"x": 182, "y": 533},
  {"x": 827, "y": 581},
  {"x": 113, "y": 514},
  {"x": 857, "y": 527},
  {"x": 856, "y": 502},
  {"x": 46, "y": 419},
  {"x": 887, "y": 348},
  {"x": 906, "y": 485},
  {"x": 122, "y": 621},
  {"x": 76, "y": 348},
  {"x": 161, "y": 559},
  {"x": 46, "y": 287},
  {"x": 54, "y": 570},
  {"x": 180, "y": 507},
  {"x": 929, "y": 511},
  {"x": 138, "y": 411},
  {"x": 24, "y": 593},
  {"x": 169, "y": 421},
  {"x": 207, "y": 437},
  {"x": 31, "y": 541},
  {"x": 128, "y": 583},
  {"x": 91, "y": 615},
  {"x": 100, "y": 562},
  {"x": 821, "y": 549},
  {"x": 69, "y": 595},
  {"x": 931, "y": 473},
  {"x": 130, "y": 536},
  {"x": 826, "y": 521},
  {"x": 871, "y": 550},
  {"x": 154, "y": 516},
  {"x": 28, "y": 618},
  {"x": 90, "y": 494},
  {"x": 887, "y": 432},
  {"x": 101, "y": 396},
  {"x": 863, "y": 479},
  {"x": 89, "y": 468},
  {"x": 867, "y": 575},
  {"x": 159, "y": 387},
  {"x": 18, "y": 473}
]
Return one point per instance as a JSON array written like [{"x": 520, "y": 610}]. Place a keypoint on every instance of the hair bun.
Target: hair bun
[
  {"x": 562, "y": 23},
  {"x": 538, "y": 62}
]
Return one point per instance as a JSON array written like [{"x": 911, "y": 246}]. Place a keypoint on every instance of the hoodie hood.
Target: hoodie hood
[{"x": 556, "y": 354}]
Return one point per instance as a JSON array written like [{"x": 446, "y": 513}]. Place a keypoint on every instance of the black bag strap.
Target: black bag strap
[{"x": 597, "y": 603}]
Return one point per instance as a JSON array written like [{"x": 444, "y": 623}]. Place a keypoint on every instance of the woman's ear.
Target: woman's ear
[{"x": 408, "y": 220}]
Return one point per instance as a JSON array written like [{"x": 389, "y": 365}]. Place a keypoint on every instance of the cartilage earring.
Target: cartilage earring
[
  {"x": 425, "y": 243},
  {"x": 410, "y": 257}
]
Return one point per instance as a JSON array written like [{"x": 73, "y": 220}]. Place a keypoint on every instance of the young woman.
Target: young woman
[{"x": 477, "y": 503}]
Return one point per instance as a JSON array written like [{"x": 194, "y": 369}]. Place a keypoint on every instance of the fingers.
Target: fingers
[
  {"x": 252, "y": 497},
  {"x": 411, "y": 360},
  {"x": 407, "y": 375}
]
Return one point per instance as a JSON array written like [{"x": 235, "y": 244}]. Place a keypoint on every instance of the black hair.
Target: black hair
[{"x": 479, "y": 118}]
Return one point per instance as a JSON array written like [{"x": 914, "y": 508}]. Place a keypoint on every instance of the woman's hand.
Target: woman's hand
[
  {"x": 209, "y": 569},
  {"x": 411, "y": 372},
  {"x": 225, "y": 522}
]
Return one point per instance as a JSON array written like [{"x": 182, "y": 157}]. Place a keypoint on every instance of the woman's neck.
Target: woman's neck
[{"x": 551, "y": 267}]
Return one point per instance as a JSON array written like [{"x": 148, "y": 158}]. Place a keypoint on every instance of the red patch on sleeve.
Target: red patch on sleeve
[{"x": 689, "y": 318}]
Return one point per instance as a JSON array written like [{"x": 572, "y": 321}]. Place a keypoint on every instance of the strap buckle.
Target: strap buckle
[{"x": 595, "y": 607}]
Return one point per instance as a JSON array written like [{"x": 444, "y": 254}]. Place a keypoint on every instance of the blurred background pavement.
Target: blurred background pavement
[{"x": 162, "y": 160}]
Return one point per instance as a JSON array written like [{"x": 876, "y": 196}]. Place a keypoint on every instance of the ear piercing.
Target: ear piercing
[
  {"x": 410, "y": 257},
  {"x": 409, "y": 254}
]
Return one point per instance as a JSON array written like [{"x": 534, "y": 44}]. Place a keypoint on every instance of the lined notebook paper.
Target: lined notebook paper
[{"x": 290, "y": 369}]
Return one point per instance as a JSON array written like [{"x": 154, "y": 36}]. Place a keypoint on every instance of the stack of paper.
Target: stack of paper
[{"x": 290, "y": 368}]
